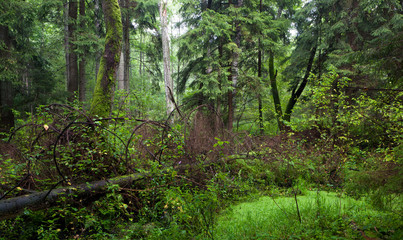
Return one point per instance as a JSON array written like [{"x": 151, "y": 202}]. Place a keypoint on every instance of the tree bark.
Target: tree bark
[
  {"x": 259, "y": 75},
  {"x": 120, "y": 73},
  {"x": 81, "y": 65},
  {"x": 98, "y": 33},
  {"x": 66, "y": 38},
  {"x": 234, "y": 72},
  {"x": 166, "y": 57},
  {"x": 126, "y": 48},
  {"x": 13, "y": 207},
  {"x": 141, "y": 58},
  {"x": 106, "y": 80},
  {"x": 124, "y": 65},
  {"x": 296, "y": 94},
  {"x": 274, "y": 92},
  {"x": 72, "y": 83},
  {"x": 6, "y": 87}
]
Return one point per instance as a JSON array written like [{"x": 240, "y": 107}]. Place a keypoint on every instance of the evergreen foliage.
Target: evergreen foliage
[{"x": 283, "y": 99}]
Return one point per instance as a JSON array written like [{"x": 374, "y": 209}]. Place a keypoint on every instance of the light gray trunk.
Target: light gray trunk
[
  {"x": 120, "y": 73},
  {"x": 141, "y": 56},
  {"x": 166, "y": 57}
]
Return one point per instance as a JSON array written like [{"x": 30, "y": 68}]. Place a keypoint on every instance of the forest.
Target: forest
[{"x": 201, "y": 119}]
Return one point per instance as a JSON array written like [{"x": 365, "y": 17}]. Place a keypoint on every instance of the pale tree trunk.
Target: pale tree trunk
[
  {"x": 141, "y": 58},
  {"x": 72, "y": 83},
  {"x": 120, "y": 73},
  {"x": 234, "y": 72},
  {"x": 166, "y": 57},
  {"x": 103, "y": 94},
  {"x": 124, "y": 65},
  {"x": 82, "y": 80}
]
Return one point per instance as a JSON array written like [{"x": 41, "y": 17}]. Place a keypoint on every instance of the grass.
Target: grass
[{"x": 324, "y": 216}]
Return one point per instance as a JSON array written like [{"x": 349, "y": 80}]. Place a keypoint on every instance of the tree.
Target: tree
[
  {"x": 305, "y": 53},
  {"x": 166, "y": 57},
  {"x": 207, "y": 50},
  {"x": 72, "y": 64},
  {"x": 124, "y": 65},
  {"x": 28, "y": 76},
  {"x": 106, "y": 80},
  {"x": 234, "y": 67},
  {"x": 82, "y": 58},
  {"x": 6, "y": 90}
]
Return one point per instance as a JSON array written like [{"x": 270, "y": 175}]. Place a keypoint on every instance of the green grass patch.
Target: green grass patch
[{"x": 324, "y": 216}]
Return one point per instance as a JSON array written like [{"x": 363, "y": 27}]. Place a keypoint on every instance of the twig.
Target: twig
[
  {"x": 278, "y": 205},
  {"x": 296, "y": 203}
]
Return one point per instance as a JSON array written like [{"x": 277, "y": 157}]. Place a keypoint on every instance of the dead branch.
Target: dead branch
[{"x": 13, "y": 207}]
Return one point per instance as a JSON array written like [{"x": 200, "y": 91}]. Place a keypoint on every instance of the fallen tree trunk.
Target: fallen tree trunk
[{"x": 13, "y": 207}]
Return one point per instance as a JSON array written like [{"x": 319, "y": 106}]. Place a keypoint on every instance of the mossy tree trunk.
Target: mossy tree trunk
[{"x": 106, "y": 79}]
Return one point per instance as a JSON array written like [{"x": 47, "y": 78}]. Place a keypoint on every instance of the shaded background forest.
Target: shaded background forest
[
  {"x": 251, "y": 62},
  {"x": 267, "y": 94}
]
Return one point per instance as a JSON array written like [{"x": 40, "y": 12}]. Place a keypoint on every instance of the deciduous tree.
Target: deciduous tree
[{"x": 106, "y": 80}]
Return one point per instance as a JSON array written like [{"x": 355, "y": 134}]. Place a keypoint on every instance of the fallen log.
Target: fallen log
[{"x": 13, "y": 207}]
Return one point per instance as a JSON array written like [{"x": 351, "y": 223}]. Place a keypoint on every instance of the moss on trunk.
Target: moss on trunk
[{"x": 103, "y": 94}]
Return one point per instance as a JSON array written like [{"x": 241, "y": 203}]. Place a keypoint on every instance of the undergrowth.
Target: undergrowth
[
  {"x": 323, "y": 216},
  {"x": 192, "y": 180}
]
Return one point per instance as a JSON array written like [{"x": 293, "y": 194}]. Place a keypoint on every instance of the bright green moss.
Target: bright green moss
[{"x": 103, "y": 94}]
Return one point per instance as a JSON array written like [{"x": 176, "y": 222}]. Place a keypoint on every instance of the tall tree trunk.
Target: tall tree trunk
[
  {"x": 274, "y": 92},
  {"x": 82, "y": 80},
  {"x": 234, "y": 72},
  {"x": 106, "y": 80},
  {"x": 98, "y": 33},
  {"x": 218, "y": 121},
  {"x": 72, "y": 83},
  {"x": 126, "y": 47},
  {"x": 120, "y": 72},
  {"x": 296, "y": 94},
  {"x": 259, "y": 75},
  {"x": 166, "y": 57},
  {"x": 66, "y": 38},
  {"x": 273, "y": 83},
  {"x": 6, "y": 87},
  {"x": 124, "y": 65},
  {"x": 141, "y": 57}
]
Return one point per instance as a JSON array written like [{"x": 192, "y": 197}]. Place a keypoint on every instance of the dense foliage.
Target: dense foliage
[{"x": 294, "y": 108}]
